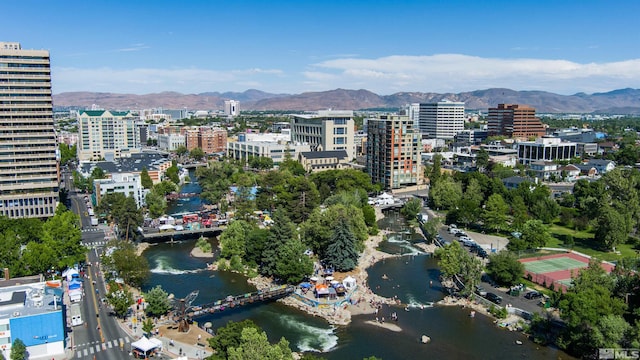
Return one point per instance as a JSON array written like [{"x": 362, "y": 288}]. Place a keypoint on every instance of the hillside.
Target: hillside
[{"x": 625, "y": 101}]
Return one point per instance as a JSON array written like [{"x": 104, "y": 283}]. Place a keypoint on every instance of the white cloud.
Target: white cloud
[
  {"x": 384, "y": 75},
  {"x": 456, "y": 73}
]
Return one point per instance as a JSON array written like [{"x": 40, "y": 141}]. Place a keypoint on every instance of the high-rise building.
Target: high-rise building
[
  {"x": 326, "y": 130},
  {"x": 393, "y": 152},
  {"x": 514, "y": 121},
  {"x": 441, "y": 120},
  {"x": 29, "y": 174},
  {"x": 231, "y": 107},
  {"x": 107, "y": 135}
]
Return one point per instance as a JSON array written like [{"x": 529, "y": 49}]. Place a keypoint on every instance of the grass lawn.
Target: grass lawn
[{"x": 584, "y": 243}]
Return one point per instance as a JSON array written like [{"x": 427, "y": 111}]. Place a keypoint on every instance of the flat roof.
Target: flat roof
[{"x": 29, "y": 299}]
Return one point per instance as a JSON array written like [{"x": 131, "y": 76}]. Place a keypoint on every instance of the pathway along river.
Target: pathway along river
[{"x": 454, "y": 334}]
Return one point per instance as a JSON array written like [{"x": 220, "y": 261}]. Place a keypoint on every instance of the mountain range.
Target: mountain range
[{"x": 622, "y": 101}]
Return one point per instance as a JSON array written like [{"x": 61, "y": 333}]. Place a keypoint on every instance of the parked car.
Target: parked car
[
  {"x": 532, "y": 295},
  {"x": 453, "y": 229},
  {"x": 467, "y": 241},
  {"x": 481, "y": 291},
  {"x": 460, "y": 233},
  {"x": 494, "y": 298}
]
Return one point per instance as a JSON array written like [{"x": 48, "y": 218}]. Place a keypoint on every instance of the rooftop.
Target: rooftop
[
  {"x": 29, "y": 299},
  {"x": 135, "y": 163}
]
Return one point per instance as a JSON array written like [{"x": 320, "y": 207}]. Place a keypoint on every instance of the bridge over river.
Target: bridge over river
[
  {"x": 229, "y": 302},
  {"x": 150, "y": 235}
]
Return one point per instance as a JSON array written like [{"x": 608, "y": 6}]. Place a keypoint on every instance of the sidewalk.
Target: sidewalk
[{"x": 187, "y": 343}]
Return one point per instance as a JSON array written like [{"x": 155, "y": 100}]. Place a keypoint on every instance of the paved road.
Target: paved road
[{"x": 102, "y": 337}]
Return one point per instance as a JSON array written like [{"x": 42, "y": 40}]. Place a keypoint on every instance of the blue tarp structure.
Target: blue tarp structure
[
  {"x": 305, "y": 285},
  {"x": 75, "y": 284}
]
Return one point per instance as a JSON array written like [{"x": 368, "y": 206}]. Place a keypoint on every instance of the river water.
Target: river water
[{"x": 454, "y": 334}]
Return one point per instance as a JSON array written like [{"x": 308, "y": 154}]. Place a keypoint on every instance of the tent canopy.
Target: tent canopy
[
  {"x": 385, "y": 196},
  {"x": 349, "y": 282},
  {"x": 144, "y": 344},
  {"x": 165, "y": 227},
  {"x": 70, "y": 273}
]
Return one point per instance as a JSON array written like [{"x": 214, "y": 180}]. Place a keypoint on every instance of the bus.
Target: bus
[{"x": 76, "y": 315}]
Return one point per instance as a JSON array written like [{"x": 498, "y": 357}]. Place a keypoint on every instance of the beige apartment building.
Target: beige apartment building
[
  {"x": 107, "y": 135},
  {"x": 29, "y": 174},
  {"x": 326, "y": 130}
]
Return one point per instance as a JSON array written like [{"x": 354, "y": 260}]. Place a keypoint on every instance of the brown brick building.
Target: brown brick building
[{"x": 514, "y": 121}]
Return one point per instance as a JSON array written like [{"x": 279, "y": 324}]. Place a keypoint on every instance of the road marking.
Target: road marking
[{"x": 98, "y": 348}]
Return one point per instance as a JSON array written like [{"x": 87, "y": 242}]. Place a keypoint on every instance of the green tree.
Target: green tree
[
  {"x": 165, "y": 188},
  {"x": 145, "y": 179},
  {"x": 450, "y": 259},
  {"x": 157, "y": 302},
  {"x": 341, "y": 252},
  {"x": 254, "y": 245},
  {"x": 147, "y": 326},
  {"x": 229, "y": 336},
  {"x": 470, "y": 203},
  {"x": 260, "y": 162},
  {"x": 518, "y": 212},
  {"x": 172, "y": 173},
  {"x": 316, "y": 232},
  {"x": 197, "y": 154},
  {"x": 505, "y": 268},
  {"x": 611, "y": 228},
  {"x": 254, "y": 345},
  {"x": 59, "y": 245},
  {"x": 411, "y": 208},
  {"x": 232, "y": 239},
  {"x": 434, "y": 171},
  {"x": 495, "y": 213},
  {"x": 535, "y": 234},
  {"x": 120, "y": 299},
  {"x": 181, "y": 150},
  {"x": 292, "y": 264},
  {"x": 156, "y": 204},
  {"x": 584, "y": 305},
  {"x": 482, "y": 160},
  {"x": 67, "y": 153},
  {"x": 126, "y": 263},
  {"x": 280, "y": 233},
  {"x": 19, "y": 350},
  {"x": 123, "y": 211},
  {"x": 446, "y": 193}
]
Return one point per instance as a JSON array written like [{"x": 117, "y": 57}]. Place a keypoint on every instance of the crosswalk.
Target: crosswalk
[
  {"x": 95, "y": 243},
  {"x": 84, "y": 351},
  {"x": 91, "y": 230}
]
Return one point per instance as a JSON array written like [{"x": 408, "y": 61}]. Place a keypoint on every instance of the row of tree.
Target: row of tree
[{"x": 31, "y": 246}]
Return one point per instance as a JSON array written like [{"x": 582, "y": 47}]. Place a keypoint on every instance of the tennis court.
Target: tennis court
[
  {"x": 557, "y": 269},
  {"x": 554, "y": 264}
]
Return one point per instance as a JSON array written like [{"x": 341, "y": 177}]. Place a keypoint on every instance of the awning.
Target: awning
[{"x": 144, "y": 344}]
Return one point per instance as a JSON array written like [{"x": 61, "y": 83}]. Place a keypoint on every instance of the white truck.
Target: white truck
[
  {"x": 91, "y": 213},
  {"x": 94, "y": 221}
]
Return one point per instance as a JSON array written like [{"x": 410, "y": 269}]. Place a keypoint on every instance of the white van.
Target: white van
[{"x": 453, "y": 229}]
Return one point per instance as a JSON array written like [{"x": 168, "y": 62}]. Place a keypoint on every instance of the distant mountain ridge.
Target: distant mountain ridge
[{"x": 621, "y": 101}]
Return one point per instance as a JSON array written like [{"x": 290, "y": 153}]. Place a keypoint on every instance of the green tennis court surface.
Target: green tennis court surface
[{"x": 555, "y": 264}]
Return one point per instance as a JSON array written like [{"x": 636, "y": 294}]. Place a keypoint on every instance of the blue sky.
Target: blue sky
[{"x": 194, "y": 46}]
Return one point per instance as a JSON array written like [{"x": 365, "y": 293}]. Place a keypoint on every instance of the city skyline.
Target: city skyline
[{"x": 293, "y": 47}]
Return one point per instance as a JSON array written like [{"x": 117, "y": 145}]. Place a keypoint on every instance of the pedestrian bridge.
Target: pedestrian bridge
[
  {"x": 231, "y": 302},
  {"x": 166, "y": 235}
]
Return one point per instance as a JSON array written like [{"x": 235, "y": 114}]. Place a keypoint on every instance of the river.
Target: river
[{"x": 454, "y": 334}]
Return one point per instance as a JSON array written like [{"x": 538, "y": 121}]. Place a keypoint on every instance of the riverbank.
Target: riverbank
[
  {"x": 362, "y": 299},
  {"x": 511, "y": 322}
]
